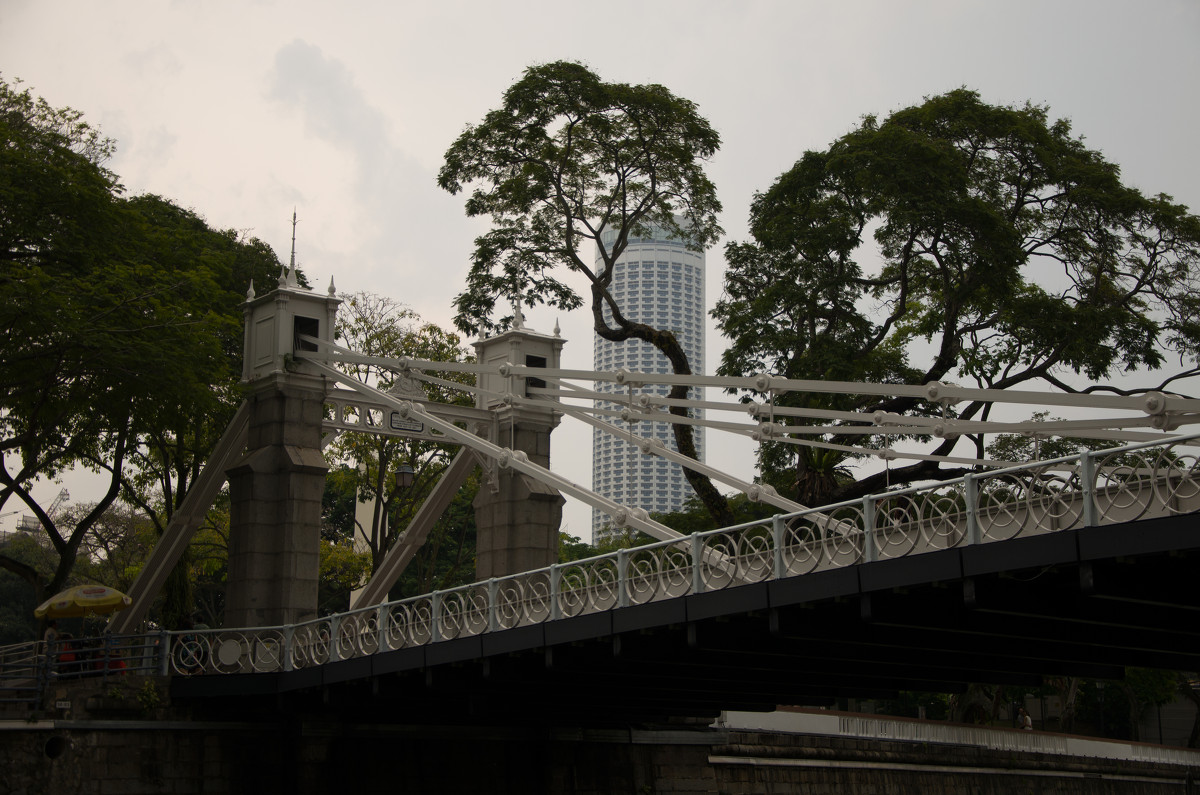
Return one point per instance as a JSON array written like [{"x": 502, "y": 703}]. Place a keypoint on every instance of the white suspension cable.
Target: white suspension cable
[
  {"x": 648, "y": 446},
  {"x": 506, "y": 457}
]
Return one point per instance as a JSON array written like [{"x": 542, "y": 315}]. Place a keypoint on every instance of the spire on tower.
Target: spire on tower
[
  {"x": 292, "y": 264},
  {"x": 291, "y": 273}
]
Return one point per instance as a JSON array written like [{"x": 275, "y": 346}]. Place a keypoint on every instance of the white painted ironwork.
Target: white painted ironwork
[
  {"x": 1123, "y": 415},
  {"x": 1110, "y": 486}
]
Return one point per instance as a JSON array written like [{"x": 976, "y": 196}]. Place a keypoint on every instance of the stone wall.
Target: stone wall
[{"x": 98, "y": 756}]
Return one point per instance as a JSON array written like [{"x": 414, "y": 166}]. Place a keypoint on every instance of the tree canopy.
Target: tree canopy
[
  {"x": 958, "y": 240},
  {"x": 379, "y": 327},
  {"x": 567, "y": 162},
  {"x": 120, "y": 329}
]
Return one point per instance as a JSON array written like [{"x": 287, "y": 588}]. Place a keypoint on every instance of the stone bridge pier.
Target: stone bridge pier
[
  {"x": 275, "y": 488},
  {"x": 517, "y": 517}
]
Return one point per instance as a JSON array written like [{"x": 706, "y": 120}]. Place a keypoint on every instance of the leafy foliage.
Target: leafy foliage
[
  {"x": 693, "y": 517},
  {"x": 342, "y": 569},
  {"x": 339, "y": 504},
  {"x": 17, "y": 600},
  {"x": 447, "y": 558},
  {"x": 378, "y": 326},
  {"x": 569, "y": 161},
  {"x": 988, "y": 236},
  {"x": 120, "y": 329}
]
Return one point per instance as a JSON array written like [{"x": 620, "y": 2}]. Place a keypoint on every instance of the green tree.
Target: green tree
[
  {"x": 212, "y": 270},
  {"x": 17, "y": 600},
  {"x": 120, "y": 329},
  {"x": 1189, "y": 688},
  {"x": 447, "y": 558},
  {"x": 693, "y": 517},
  {"x": 568, "y": 163},
  {"x": 342, "y": 569},
  {"x": 115, "y": 548},
  {"x": 571, "y": 548},
  {"x": 374, "y": 325},
  {"x": 378, "y": 326},
  {"x": 1144, "y": 688},
  {"x": 989, "y": 235},
  {"x": 339, "y": 504},
  {"x": 62, "y": 355}
]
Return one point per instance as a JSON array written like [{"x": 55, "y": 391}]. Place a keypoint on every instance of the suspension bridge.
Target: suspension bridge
[{"x": 1077, "y": 566}]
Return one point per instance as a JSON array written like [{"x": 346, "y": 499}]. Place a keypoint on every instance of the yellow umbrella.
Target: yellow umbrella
[{"x": 81, "y": 600}]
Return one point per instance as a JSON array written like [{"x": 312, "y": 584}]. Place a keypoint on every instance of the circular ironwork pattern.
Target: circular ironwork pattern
[
  {"x": 1180, "y": 481},
  {"x": 1054, "y": 498},
  {"x": 897, "y": 525},
  {"x": 803, "y": 546},
  {"x": 538, "y": 598},
  {"x": 464, "y": 613},
  {"x": 310, "y": 644},
  {"x": 843, "y": 534},
  {"x": 1125, "y": 485},
  {"x": 755, "y": 557},
  {"x": 943, "y": 519},
  {"x": 718, "y": 561},
  {"x": 1002, "y": 510},
  {"x": 1128, "y": 484},
  {"x": 658, "y": 572},
  {"x": 588, "y": 587},
  {"x": 191, "y": 652}
]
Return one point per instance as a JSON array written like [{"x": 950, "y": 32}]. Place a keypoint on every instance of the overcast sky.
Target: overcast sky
[{"x": 244, "y": 110}]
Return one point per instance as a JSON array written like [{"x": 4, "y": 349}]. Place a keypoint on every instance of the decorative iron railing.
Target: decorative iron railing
[{"x": 1096, "y": 487}]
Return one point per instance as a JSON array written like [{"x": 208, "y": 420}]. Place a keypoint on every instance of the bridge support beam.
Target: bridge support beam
[{"x": 517, "y": 518}]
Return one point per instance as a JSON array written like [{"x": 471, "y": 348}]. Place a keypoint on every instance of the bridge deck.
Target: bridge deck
[{"x": 1084, "y": 602}]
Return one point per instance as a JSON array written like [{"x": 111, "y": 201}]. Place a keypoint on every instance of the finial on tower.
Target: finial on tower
[
  {"x": 332, "y": 290},
  {"x": 557, "y": 330},
  {"x": 250, "y": 292}
]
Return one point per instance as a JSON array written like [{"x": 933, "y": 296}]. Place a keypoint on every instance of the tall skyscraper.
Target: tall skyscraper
[{"x": 656, "y": 281}]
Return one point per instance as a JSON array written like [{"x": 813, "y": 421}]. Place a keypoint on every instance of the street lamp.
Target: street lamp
[
  {"x": 404, "y": 476},
  {"x": 403, "y": 480}
]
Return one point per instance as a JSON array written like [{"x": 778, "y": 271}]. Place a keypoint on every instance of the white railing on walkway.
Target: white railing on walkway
[{"x": 1139, "y": 481}]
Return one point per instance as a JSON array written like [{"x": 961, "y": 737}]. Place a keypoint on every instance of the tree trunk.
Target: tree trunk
[{"x": 668, "y": 345}]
